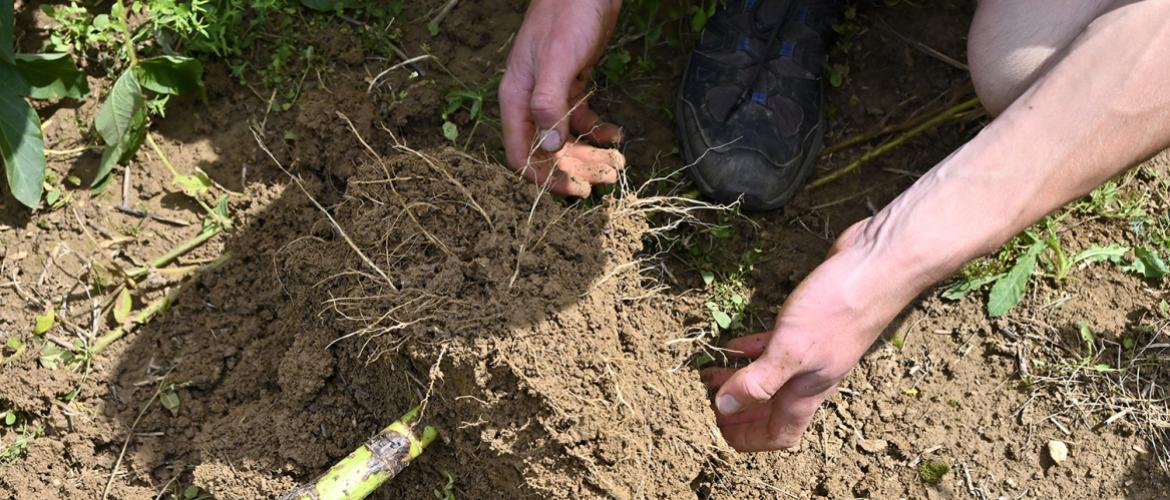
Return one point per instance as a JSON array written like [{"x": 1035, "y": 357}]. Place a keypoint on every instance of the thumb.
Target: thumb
[
  {"x": 549, "y": 104},
  {"x": 755, "y": 383}
]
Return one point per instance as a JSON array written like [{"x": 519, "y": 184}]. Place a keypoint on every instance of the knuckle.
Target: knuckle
[
  {"x": 756, "y": 390},
  {"x": 545, "y": 102}
]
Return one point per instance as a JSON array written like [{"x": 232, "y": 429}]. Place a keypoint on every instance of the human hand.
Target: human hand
[
  {"x": 823, "y": 329},
  {"x": 542, "y": 97}
]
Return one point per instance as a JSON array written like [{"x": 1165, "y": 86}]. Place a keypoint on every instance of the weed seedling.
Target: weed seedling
[{"x": 931, "y": 472}]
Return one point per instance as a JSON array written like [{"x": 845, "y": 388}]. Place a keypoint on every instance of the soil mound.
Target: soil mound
[{"x": 523, "y": 323}]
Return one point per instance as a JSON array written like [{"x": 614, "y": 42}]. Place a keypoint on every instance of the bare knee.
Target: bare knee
[{"x": 1012, "y": 43}]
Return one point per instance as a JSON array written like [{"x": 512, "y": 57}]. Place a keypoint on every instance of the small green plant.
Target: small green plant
[
  {"x": 849, "y": 28},
  {"x": 122, "y": 119},
  {"x": 447, "y": 491},
  {"x": 18, "y": 447},
  {"x": 22, "y": 77},
  {"x": 931, "y": 472}
]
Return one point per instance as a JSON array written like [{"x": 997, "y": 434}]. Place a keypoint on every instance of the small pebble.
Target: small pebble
[
  {"x": 873, "y": 446},
  {"x": 1057, "y": 451}
]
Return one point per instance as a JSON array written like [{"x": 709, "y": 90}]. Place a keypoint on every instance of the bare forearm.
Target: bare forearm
[{"x": 1103, "y": 108}]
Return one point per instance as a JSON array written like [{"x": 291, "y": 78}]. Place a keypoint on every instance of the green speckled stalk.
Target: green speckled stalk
[{"x": 364, "y": 470}]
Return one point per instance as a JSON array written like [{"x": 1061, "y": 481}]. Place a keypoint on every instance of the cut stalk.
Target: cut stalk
[
  {"x": 368, "y": 467},
  {"x": 936, "y": 120}
]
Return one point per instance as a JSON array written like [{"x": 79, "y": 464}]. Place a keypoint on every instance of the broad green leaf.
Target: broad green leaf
[
  {"x": 6, "y": 26},
  {"x": 121, "y": 121},
  {"x": 44, "y": 322},
  {"x": 117, "y": 115},
  {"x": 1009, "y": 289},
  {"x": 1147, "y": 263},
  {"x": 122, "y": 306},
  {"x": 22, "y": 149},
  {"x": 961, "y": 289},
  {"x": 171, "y": 75},
  {"x": 52, "y": 76},
  {"x": 708, "y": 277},
  {"x": 1112, "y": 253},
  {"x": 11, "y": 81},
  {"x": 9, "y": 418}
]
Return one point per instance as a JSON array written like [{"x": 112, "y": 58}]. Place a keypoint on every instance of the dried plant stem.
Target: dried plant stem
[{"x": 934, "y": 121}]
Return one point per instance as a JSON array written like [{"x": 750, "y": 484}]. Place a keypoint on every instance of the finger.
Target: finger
[
  {"x": 569, "y": 185},
  {"x": 748, "y": 346},
  {"x": 757, "y": 382},
  {"x": 751, "y": 414},
  {"x": 589, "y": 172},
  {"x": 549, "y": 104},
  {"x": 590, "y": 127},
  {"x": 589, "y": 154},
  {"x": 791, "y": 414},
  {"x": 714, "y": 377},
  {"x": 518, "y": 129}
]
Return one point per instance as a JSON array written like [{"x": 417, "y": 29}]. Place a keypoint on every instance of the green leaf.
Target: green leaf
[
  {"x": 325, "y": 5},
  {"x": 53, "y": 356},
  {"x": 170, "y": 401},
  {"x": 450, "y": 131},
  {"x": 6, "y": 26},
  {"x": 1104, "y": 368},
  {"x": 961, "y": 289},
  {"x": 171, "y": 75},
  {"x": 721, "y": 232},
  {"x": 116, "y": 117},
  {"x": 1112, "y": 253},
  {"x": 44, "y": 322},
  {"x": 1009, "y": 289},
  {"x": 1147, "y": 263},
  {"x": 708, "y": 277},
  {"x": 721, "y": 319},
  {"x": 121, "y": 122},
  {"x": 193, "y": 185},
  {"x": 52, "y": 76},
  {"x": 9, "y": 418},
  {"x": 11, "y": 81},
  {"x": 22, "y": 149},
  {"x": 1087, "y": 336},
  {"x": 122, "y": 306}
]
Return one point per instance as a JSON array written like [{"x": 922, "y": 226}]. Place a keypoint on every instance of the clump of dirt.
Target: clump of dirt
[
  {"x": 522, "y": 322},
  {"x": 551, "y": 368}
]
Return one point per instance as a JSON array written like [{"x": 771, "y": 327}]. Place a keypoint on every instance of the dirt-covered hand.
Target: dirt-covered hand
[
  {"x": 822, "y": 330},
  {"x": 542, "y": 96}
]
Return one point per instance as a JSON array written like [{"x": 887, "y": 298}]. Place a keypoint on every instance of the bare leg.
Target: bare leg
[{"x": 1013, "y": 42}]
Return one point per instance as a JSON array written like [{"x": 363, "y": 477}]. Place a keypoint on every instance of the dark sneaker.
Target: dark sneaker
[{"x": 751, "y": 108}]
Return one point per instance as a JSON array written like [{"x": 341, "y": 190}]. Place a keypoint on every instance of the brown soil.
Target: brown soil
[{"x": 541, "y": 335}]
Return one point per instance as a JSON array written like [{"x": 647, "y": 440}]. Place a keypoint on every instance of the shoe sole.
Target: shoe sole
[{"x": 817, "y": 136}]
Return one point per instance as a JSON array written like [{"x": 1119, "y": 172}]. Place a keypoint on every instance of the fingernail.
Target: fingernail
[
  {"x": 550, "y": 140},
  {"x": 727, "y": 405}
]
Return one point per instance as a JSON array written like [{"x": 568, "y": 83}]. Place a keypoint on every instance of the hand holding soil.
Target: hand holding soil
[{"x": 543, "y": 97}]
